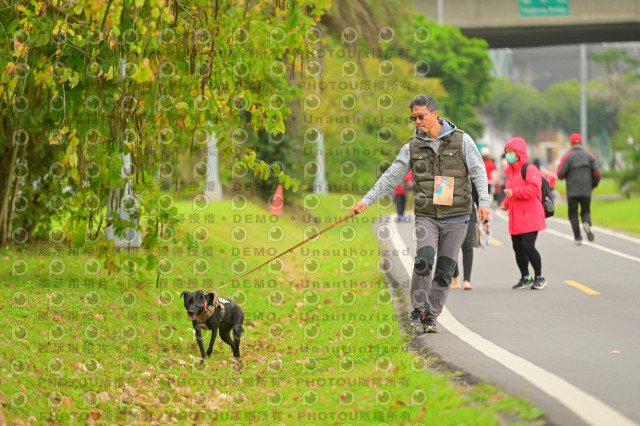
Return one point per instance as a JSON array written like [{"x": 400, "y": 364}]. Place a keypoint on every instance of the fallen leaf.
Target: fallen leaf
[
  {"x": 224, "y": 399},
  {"x": 99, "y": 316},
  {"x": 275, "y": 363}
]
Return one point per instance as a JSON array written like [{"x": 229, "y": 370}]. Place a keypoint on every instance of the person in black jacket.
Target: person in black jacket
[{"x": 582, "y": 173}]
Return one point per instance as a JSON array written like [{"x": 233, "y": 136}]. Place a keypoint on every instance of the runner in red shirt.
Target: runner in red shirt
[{"x": 400, "y": 195}]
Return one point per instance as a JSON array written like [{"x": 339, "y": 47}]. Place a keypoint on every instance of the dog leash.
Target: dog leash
[{"x": 296, "y": 246}]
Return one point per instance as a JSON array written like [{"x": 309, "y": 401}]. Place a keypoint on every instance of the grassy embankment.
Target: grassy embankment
[{"x": 322, "y": 342}]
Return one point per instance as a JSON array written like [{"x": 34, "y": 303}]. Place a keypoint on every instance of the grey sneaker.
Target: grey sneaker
[
  {"x": 587, "y": 229},
  {"x": 539, "y": 283},
  {"x": 578, "y": 242},
  {"x": 429, "y": 325},
  {"x": 522, "y": 284},
  {"x": 416, "y": 317}
]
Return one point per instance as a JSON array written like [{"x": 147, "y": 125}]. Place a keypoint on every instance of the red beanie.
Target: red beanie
[{"x": 575, "y": 138}]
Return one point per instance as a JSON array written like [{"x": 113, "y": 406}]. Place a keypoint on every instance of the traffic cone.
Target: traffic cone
[{"x": 277, "y": 201}]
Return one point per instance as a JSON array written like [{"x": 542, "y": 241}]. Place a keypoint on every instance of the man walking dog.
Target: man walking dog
[
  {"x": 444, "y": 161},
  {"x": 580, "y": 169}
]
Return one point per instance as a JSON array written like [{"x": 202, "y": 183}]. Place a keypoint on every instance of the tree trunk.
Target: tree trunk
[
  {"x": 612, "y": 132},
  {"x": 12, "y": 204},
  {"x": 11, "y": 151}
]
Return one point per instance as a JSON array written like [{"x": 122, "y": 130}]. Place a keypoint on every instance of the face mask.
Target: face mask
[{"x": 511, "y": 157}]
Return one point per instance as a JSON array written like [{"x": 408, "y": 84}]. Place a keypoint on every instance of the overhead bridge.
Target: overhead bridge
[{"x": 527, "y": 23}]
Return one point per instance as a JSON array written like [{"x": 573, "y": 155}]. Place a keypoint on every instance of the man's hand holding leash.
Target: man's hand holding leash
[{"x": 359, "y": 207}]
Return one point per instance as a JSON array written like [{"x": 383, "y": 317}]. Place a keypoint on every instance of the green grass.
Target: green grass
[
  {"x": 623, "y": 215},
  {"x": 322, "y": 343}
]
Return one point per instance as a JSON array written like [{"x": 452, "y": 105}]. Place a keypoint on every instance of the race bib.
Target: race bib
[{"x": 443, "y": 191}]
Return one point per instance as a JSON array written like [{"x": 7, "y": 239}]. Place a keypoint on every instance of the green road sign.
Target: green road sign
[{"x": 538, "y": 8}]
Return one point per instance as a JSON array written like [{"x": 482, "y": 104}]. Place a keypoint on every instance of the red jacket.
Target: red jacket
[
  {"x": 526, "y": 213},
  {"x": 400, "y": 188},
  {"x": 490, "y": 166}
]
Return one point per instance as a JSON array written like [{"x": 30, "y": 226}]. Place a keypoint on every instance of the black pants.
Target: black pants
[
  {"x": 525, "y": 247},
  {"x": 467, "y": 251},
  {"x": 401, "y": 201},
  {"x": 585, "y": 213}
]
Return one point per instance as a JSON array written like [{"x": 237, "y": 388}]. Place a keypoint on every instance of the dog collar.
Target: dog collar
[
  {"x": 205, "y": 307},
  {"x": 208, "y": 310}
]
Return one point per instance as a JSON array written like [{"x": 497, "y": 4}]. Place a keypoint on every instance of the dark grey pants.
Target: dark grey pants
[{"x": 444, "y": 239}]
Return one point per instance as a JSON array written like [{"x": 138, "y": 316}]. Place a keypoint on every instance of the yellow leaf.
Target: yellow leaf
[
  {"x": 73, "y": 159},
  {"x": 182, "y": 105},
  {"x": 10, "y": 68}
]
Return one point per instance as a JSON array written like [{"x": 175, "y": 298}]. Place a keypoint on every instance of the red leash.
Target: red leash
[{"x": 296, "y": 246}]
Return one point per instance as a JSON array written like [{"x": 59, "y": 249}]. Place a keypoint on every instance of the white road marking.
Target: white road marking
[
  {"x": 590, "y": 409},
  {"x": 569, "y": 237}
]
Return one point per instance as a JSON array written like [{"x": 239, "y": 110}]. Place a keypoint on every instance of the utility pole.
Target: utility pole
[
  {"x": 583, "y": 94},
  {"x": 440, "y": 12},
  {"x": 212, "y": 185},
  {"x": 320, "y": 185}
]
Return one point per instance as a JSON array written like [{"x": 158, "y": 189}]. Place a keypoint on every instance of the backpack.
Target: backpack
[{"x": 547, "y": 193}]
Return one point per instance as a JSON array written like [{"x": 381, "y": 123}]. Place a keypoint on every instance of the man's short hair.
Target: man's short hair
[{"x": 424, "y": 100}]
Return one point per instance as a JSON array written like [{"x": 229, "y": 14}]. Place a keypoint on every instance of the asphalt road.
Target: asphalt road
[{"x": 572, "y": 352}]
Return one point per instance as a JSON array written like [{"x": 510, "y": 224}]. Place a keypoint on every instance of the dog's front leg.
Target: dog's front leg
[
  {"x": 214, "y": 334},
  {"x": 199, "y": 340}
]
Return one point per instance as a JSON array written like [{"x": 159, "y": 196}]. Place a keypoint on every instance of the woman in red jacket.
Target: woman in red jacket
[{"x": 526, "y": 214}]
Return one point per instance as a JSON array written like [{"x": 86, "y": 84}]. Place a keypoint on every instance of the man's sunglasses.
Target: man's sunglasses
[{"x": 420, "y": 116}]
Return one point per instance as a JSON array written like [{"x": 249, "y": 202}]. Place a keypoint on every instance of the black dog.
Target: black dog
[{"x": 209, "y": 312}]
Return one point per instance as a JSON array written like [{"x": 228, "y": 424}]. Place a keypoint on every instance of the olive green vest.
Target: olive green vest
[{"x": 426, "y": 164}]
